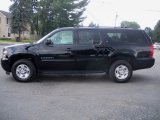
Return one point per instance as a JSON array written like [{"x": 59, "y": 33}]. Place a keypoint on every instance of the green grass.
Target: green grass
[{"x": 14, "y": 41}]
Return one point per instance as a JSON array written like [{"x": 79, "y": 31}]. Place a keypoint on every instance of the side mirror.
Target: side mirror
[{"x": 48, "y": 42}]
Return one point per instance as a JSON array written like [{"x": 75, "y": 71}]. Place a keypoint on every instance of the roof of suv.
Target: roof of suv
[{"x": 109, "y": 28}]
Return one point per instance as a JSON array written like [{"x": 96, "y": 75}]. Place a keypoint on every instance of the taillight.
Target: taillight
[{"x": 151, "y": 51}]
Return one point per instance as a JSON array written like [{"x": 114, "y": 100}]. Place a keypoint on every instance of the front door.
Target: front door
[{"x": 60, "y": 55}]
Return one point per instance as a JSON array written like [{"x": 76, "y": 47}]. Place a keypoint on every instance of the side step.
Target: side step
[{"x": 72, "y": 72}]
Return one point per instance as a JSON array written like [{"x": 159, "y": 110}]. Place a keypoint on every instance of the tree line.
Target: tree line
[
  {"x": 43, "y": 16},
  {"x": 154, "y": 34}
]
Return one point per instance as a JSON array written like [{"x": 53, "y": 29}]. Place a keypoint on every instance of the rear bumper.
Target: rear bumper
[
  {"x": 143, "y": 63},
  {"x": 5, "y": 65}
]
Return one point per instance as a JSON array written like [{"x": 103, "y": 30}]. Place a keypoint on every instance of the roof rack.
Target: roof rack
[{"x": 129, "y": 28}]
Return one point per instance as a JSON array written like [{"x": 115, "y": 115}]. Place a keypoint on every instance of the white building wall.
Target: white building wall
[
  {"x": 4, "y": 26},
  {"x": 4, "y": 29}
]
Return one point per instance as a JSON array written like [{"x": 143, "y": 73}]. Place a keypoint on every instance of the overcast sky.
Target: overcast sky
[{"x": 103, "y": 12}]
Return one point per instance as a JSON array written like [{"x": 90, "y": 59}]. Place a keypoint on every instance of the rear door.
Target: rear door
[{"x": 89, "y": 55}]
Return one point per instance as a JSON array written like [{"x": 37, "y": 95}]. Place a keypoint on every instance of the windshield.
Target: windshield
[{"x": 46, "y": 36}]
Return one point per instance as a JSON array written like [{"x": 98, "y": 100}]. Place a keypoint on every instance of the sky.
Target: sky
[{"x": 103, "y": 12}]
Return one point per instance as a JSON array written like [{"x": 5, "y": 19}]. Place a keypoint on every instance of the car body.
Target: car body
[
  {"x": 72, "y": 50},
  {"x": 157, "y": 46}
]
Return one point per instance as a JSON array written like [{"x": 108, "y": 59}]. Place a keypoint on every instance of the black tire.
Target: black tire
[
  {"x": 120, "y": 77},
  {"x": 31, "y": 73}
]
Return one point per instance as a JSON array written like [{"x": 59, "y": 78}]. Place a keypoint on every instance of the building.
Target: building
[
  {"x": 5, "y": 29},
  {"x": 5, "y": 20}
]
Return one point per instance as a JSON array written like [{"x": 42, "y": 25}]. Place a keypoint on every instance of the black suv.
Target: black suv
[{"x": 114, "y": 51}]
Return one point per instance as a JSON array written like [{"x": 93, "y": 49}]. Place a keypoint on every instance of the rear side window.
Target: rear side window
[
  {"x": 87, "y": 37},
  {"x": 124, "y": 36}
]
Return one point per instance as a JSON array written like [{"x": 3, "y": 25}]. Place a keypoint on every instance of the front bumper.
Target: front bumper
[
  {"x": 143, "y": 63},
  {"x": 6, "y": 65}
]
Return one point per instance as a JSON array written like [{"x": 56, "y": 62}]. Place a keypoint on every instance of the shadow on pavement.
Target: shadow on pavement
[
  {"x": 73, "y": 78},
  {"x": 136, "y": 78}
]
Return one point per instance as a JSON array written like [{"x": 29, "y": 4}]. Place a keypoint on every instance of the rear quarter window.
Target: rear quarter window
[{"x": 125, "y": 36}]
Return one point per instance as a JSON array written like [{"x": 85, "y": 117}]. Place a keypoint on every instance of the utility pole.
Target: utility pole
[{"x": 116, "y": 20}]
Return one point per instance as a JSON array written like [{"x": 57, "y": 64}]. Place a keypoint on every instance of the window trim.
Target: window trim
[{"x": 62, "y": 31}]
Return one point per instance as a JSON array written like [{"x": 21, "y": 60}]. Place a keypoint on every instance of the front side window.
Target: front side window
[
  {"x": 88, "y": 37},
  {"x": 62, "y": 37}
]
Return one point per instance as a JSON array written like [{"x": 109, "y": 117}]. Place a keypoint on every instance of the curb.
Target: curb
[
  {"x": 7, "y": 44},
  {"x": 10, "y": 43}
]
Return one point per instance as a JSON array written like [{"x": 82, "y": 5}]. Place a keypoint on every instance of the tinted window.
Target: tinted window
[
  {"x": 88, "y": 37},
  {"x": 62, "y": 37},
  {"x": 124, "y": 36}
]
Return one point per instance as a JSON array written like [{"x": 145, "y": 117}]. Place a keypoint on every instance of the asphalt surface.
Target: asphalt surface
[{"x": 82, "y": 97}]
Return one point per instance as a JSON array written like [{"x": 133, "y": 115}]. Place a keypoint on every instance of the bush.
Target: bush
[{"x": 5, "y": 38}]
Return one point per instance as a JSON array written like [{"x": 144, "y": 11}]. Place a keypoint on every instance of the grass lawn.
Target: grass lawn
[{"x": 14, "y": 41}]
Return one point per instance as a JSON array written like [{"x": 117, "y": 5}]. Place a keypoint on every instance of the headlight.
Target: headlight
[{"x": 5, "y": 54}]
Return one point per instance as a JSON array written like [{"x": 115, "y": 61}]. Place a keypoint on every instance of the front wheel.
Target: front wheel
[
  {"x": 120, "y": 71},
  {"x": 23, "y": 70}
]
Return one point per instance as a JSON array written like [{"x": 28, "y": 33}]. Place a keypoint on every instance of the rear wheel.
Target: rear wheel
[
  {"x": 23, "y": 70},
  {"x": 120, "y": 71}
]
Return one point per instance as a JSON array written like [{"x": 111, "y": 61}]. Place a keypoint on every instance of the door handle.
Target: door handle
[
  {"x": 70, "y": 52},
  {"x": 69, "y": 49}
]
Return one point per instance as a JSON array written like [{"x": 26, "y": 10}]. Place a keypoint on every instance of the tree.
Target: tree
[
  {"x": 22, "y": 11},
  {"x": 43, "y": 16},
  {"x": 92, "y": 24},
  {"x": 149, "y": 31},
  {"x": 54, "y": 14},
  {"x": 157, "y": 32},
  {"x": 34, "y": 22},
  {"x": 128, "y": 24}
]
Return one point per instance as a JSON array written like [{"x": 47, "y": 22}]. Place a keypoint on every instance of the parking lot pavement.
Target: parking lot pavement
[{"x": 82, "y": 97}]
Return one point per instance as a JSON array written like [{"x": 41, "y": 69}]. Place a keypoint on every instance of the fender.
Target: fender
[{"x": 122, "y": 52}]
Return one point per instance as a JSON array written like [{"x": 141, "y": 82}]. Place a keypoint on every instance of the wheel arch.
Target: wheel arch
[
  {"x": 121, "y": 75},
  {"x": 17, "y": 57},
  {"x": 129, "y": 58}
]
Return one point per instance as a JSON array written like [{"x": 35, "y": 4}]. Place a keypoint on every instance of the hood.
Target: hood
[
  {"x": 20, "y": 48},
  {"x": 18, "y": 45}
]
